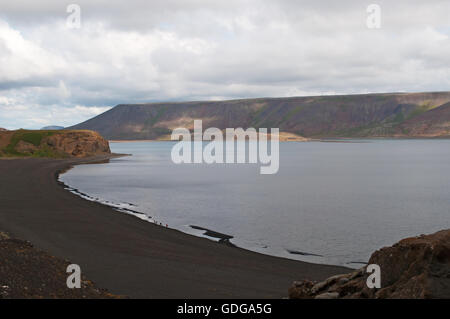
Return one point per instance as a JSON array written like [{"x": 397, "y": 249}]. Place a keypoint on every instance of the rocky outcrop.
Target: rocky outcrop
[
  {"x": 2, "y": 129},
  {"x": 25, "y": 147},
  {"x": 417, "y": 267},
  {"x": 53, "y": 143},
  {"x": 78, "y": 143}
]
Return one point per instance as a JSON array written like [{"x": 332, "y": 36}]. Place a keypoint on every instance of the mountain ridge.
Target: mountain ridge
[{"x": 358, "y": 115}]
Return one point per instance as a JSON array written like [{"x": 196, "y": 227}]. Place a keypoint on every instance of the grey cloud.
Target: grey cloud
[{"x": 139, "y": 51}]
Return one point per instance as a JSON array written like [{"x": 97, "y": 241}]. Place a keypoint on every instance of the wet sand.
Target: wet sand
[{"x": 129, "y": 256}]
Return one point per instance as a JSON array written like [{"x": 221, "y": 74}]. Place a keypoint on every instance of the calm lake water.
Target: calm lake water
[{"x": 341, "y": 201}]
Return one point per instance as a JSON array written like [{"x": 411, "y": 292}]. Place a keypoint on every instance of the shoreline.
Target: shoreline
[
  {"x": 206, "y": 233},
  {"x": 210, "y": 234},
  {"x": 316, "y": 139},
  {"x": 132, "y": 257}
]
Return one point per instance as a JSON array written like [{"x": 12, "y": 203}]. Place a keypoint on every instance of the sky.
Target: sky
[{"x": 54, "y": 71}]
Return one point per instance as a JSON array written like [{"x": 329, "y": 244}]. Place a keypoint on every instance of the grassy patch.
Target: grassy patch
[
  {"x": 46, "y": 151},
  {"x": 255, "y": 116},
  {"x": 421, "y": 109},
  {"x": 33, "y": 137},
  {"x": 399, "y": 117},
  {"x": 292, "y": 112}
]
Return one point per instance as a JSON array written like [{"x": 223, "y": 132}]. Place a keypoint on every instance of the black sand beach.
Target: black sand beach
[{"x": 129, "y": 256}]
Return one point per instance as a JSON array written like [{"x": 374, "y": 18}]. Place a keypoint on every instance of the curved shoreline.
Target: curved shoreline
[
  {"x": 207, "y": 233},
  {"x": 129, "y": 256}
]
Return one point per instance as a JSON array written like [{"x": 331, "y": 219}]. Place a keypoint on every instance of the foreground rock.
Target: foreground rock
[
  {"x": 26, "y": 272},
  {"x": 53, "y": 143},
  {"x": 417, "y": 267}
]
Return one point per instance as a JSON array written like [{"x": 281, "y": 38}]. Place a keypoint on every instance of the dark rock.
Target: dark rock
[
  {"x": 328, "y": 295},
  {"x": 25, "y": 147},
  {"x": 78, "y": 143},
  {"x": 417, "y": 267},
  {"x": 26, "y": 272},
  {"x": 301, "y": 289}
]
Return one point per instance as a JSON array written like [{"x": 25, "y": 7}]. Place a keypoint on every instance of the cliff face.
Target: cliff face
[
  {"x": 57, "y": 143},
  {"x": 417, "y": 267},
  {"x": 78, "y": 143},
  {"x": 367, "y": 115},
  {"x": 433, "y": 123}
]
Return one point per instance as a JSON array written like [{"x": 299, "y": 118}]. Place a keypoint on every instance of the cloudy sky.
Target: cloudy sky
[{"x": 141, "y": 51}]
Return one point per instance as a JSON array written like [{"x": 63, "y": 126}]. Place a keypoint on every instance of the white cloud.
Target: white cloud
[
  {"x": 18, "y": 115},
  {"x": 181, "y": 50}
]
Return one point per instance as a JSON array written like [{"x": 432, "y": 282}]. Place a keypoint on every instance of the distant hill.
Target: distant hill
[
  {"x": 365, "y": 115},
  {"x": 52, "y": 127},
  {"x": 2, "y": 129}
]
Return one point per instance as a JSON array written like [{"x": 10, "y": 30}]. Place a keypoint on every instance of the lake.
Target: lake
[{"x": 331, "y": 202}]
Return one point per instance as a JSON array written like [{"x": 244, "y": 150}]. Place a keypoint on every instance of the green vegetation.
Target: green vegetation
[
  {"x": 399, "y": 117},
  {"x": 256, "y": 115},
  {"x": 292, "y": 112},
  {"x": 372, "y": 129},
  {"x": 270, "y": 120},
  {"x": 33, "y": 137},
  {"x": 46, "y": 151},
  {"x": 422, "y": 108}
]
